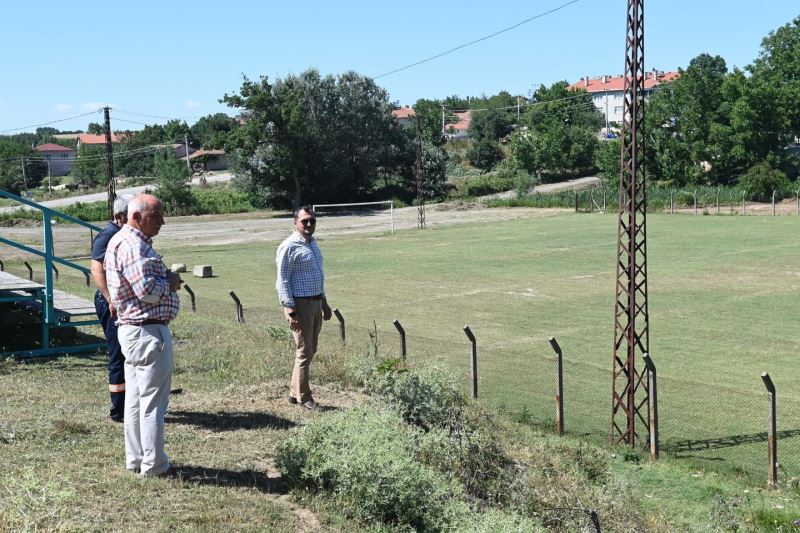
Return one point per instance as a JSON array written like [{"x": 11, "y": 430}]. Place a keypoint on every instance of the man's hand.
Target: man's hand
[
  {"x": 112, "y": 310},
  {"x": 326, "y": 310},
  {"x": 174, "y": 281},
  {"x": 291, "y": 317}
]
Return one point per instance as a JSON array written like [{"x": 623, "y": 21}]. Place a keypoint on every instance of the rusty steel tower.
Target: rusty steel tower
[{"x": 631, "y": 320}]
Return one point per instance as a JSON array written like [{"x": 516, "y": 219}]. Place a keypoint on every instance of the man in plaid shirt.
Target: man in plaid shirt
[
  {"x": 143, "y": 292},
  {"x": 301, "y": 290}
]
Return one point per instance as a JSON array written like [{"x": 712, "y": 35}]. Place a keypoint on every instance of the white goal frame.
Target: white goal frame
[{"x": 390, "y": 202}]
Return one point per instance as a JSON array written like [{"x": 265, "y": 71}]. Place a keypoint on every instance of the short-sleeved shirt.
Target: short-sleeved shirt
[
  {"x": 101, "y": 241},
  {"x": 138, "y": 282},
  {"x": 300, "y": 273}
]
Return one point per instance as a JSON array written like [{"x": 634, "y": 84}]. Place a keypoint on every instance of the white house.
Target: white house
[
  {"x": 59, "y": 158},
  {"x": 608, "y": 92}
]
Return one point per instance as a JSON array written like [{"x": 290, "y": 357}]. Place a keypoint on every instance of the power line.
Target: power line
[
  {"x": 51, "y": 122},
  {"x": 540, "y": 15}
]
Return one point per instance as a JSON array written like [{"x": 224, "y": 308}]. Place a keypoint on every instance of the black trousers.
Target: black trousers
[{"x": 116, "y": 361}]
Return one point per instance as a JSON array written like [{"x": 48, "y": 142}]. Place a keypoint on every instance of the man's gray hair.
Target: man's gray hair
[{"x": 121, "y": 204}]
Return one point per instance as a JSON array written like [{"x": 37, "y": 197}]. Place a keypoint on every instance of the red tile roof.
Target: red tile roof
[
  {"x": 464, "y": 119},
  {"x": 404, "y": 112},
  {"x": 51, "y": 147},
  {"x": 88, "y": 138},
  {"x": 617, "y": 83}
]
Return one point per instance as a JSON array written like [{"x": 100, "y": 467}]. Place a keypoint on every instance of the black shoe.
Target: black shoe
[
  {"x": 118, "y": 420},
  {"x": 292, "y": 400},
  {"x": 311, "y": 405}
]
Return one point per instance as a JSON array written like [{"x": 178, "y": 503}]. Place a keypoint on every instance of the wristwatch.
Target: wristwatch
[{"x": 292, "y": 314}]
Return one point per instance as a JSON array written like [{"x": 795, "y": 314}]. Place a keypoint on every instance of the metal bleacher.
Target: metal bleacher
[{"x": 28, "y": 302}]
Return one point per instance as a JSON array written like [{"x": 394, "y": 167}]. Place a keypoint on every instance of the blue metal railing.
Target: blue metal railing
[{"x": 49, "y": 317}]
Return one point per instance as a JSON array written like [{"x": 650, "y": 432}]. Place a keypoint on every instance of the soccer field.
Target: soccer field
[{"x": 722, "y": 295}]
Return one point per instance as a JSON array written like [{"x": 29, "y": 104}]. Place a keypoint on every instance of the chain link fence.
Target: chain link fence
[{"x": 707, "y": 425}]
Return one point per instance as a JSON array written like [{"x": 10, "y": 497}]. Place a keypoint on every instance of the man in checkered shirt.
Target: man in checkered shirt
[
  {"x": 143, "y": 292},
  {"x": 301, "y": 291}
]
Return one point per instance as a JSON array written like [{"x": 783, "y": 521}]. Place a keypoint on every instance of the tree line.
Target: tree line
[{"x": 313, "y": 138}]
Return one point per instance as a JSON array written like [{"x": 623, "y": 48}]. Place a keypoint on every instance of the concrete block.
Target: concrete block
[
  {"x": 178, "y": 267},
  {"x": 202, "y": 271}
]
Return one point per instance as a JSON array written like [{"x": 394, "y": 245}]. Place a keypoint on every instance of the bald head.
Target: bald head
[{"x": 146, "y": 213}]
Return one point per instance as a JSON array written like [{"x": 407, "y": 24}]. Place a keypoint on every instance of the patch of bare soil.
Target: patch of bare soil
[{"x": 248, "y": 424}]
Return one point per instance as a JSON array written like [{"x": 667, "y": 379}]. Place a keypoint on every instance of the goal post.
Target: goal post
[{"x": 390, "y": 203}]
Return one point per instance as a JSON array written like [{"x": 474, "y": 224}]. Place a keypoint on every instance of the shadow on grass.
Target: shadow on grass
[
  {"x": 730, "y": 441},
  {"x": 222, "y": 421},
  {"x": 230, "y": 478}
]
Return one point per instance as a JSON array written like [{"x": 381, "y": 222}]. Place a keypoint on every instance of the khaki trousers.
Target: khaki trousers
[{"x": 309, "y": 314}]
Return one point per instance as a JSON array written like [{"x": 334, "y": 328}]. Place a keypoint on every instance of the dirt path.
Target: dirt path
[{"x": 243, "y": 228}]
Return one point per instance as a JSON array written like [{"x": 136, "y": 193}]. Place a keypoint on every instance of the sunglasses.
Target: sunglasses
[{"x": 308, "y": 221}]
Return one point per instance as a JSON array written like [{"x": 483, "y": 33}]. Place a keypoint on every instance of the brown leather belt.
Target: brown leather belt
[
  {"x": 315, "y": 297},
  {"x": 151, "y": 321}
]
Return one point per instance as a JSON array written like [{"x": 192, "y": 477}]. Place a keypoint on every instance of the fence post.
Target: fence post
[
  {"x": 576, "y": 201},
  {"x": 239, "y": 308},
  {"x": 55, "y": 271},
  {"x": 798, "y": 201},
  {"x": 86, "y": 275},
  {"x": 671, "y": 203},
  {"x": 191, "y": 295},
  {"x": 773, "y": 203},
  {"x": 772, "y": 442},
  {"x": 2, "y": 266},
  {"x": 652, "y": 404},
  {"x": 30, "y": 270},
  {"x": 744, "y": 208},
  {"x": 695, "y": 201},
  {"x": 718, "y": 200},
  {"x": 471, "y": 338},
  {"x": 559, "y": 386},
  {"x": 402, "y": 333},
  {"x": 340, "y": 318}
]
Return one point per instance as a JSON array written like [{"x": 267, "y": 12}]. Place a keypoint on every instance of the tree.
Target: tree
[
  {"x": 778, "y": 65},
  {"x": 312, "y": 137},
  {"x": 485, "y": 153},
  {"x": 608, "y": 160},
  {"x": 561, "y": 132},
  {"x": 172, "y": 181},
  {"x": 492, "y": 124},
  {"x": 211, "y": 131},
  {"x": 13, "y": 156},
  {"x": 678, "y": 122},
  {"x": 429, "y": 114},
  {"x": 96, "y": 129}
]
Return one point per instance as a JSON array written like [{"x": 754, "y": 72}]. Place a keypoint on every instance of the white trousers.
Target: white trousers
[{"x": 148, "y": 378}]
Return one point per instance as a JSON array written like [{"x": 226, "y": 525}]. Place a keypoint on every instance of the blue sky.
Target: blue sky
[{"x": 177, "y": 59}]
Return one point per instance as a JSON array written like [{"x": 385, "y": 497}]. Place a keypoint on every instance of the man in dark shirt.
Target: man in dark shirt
[{"x": 106, "y": 312}]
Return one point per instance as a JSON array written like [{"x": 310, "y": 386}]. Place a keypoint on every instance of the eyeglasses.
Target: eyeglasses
[{"x": 308, "y": 221}]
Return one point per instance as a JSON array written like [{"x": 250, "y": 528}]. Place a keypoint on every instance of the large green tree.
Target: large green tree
[
  {"x": 211, "y": 131},
  {"x": 560, "y": 132},
  {"x": 309, "y": 138},
  {"x": 778, "y": 65},
  {"x": 14, "y": 157}
]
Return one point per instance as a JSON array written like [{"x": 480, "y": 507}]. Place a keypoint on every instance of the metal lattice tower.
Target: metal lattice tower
[
  {"x": 631, "y": 319},
  {"x": 420, "y": 180}
]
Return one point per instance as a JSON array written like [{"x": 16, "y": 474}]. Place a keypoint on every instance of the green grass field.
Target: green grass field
[
  {"x": 720, "y": 308},
  {"x": 721, "y": 300}
]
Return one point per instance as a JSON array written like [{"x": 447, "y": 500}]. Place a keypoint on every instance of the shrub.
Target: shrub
[
  {"x": 366, "y": 461},
  {"x": 761, "y": 180},
  {"x": 423, "y": 398},
  {"x": 483, "y": 185},
  {"x": 219, "y": 201}
]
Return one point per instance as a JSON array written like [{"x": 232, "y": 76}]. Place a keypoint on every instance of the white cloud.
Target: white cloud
[
  {"x": 192, "y": 104},
  {"x": 62, "y": 108}
]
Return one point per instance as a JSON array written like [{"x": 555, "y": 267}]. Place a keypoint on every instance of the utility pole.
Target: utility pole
[
  {"x": 49, "y": 181},
  {"x": 630, "y": 389},
  {"x": 112, "y": 193},
  {"x": 517, "y": 110},
  {"x": 442, "y": 120},
  {"x": 24, "y": 179},
  {"x": 420, "y": 179},
  {"x": 186, "y": 149}
]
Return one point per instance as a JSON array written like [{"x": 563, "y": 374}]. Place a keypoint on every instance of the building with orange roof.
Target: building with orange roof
[
  {"x": 608, "y": 92},
  {"x": 59, "y": 158}
]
